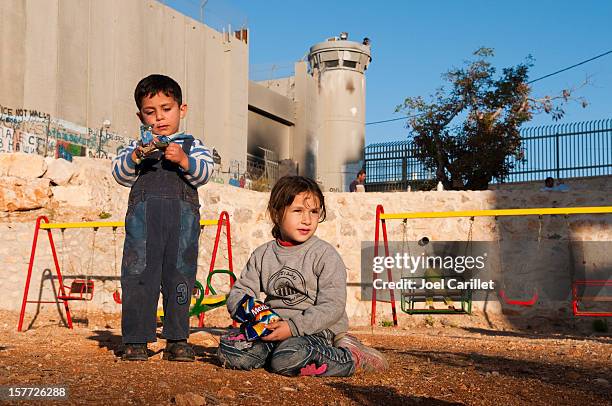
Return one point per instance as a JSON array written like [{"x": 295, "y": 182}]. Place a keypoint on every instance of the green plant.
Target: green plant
[
  {"x": 465, "y": 132},
  {"x": 105, "y": 215},
  {"x": 387, "y": 323},
  {"x": 429, "y": 321}
]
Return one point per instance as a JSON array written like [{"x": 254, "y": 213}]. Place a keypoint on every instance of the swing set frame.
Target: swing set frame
[
  {"x": 382, "y": 217},
  {"x": 86, "y": 289}
]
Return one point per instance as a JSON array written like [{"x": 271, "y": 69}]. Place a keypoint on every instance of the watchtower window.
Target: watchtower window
[
  {"x": 331, "y": 64},
  {"x": 350, "y": 64}
]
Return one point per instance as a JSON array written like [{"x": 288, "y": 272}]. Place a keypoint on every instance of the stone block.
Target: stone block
[
  {"x": 17, "y": 194},
  {"x": 72, "y": 195},
  {"x": 22, "y": 165},
  {"x": 59, "y": 171}
]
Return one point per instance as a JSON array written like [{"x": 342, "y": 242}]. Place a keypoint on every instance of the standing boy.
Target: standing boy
[{"x": 162, "y": 223}]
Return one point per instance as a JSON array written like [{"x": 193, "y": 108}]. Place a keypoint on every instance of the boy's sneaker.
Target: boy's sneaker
[
  {"x": 135, "y": 352},
  {"x": 179, "y": 351},
  {"x": 366, "y": 358}
]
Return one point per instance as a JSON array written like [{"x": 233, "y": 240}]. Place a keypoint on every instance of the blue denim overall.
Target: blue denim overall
[{"x": 162, "y": 228}]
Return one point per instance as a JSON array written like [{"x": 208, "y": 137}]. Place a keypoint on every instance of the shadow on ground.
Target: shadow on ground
[
  {"x": 539, "y": 336},
  {"x": 384, "y": 395},
  {"x": 554, "y": 374},
  {"x": 112, "y": 342}
]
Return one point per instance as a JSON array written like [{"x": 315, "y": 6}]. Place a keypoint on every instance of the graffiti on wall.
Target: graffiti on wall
[
  {"x": 67, "y": 150},
  {"x": 36, "y": 132},
  {"x": 14, "y": 141}
]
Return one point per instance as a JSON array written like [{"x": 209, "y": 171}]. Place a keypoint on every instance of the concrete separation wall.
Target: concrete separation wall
[{"x": 80, "y": 60}]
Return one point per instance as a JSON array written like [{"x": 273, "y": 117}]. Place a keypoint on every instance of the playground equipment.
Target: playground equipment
[
  {"x": 502, "y": 292},
  {"x": 578, "y": 299},
  {"x": 409, "y": 297},
  {"x": 82, "y": 288},
  {"x": 117, "y": 292}
]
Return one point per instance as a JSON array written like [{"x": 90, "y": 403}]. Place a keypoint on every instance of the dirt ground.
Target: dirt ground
[{"x": 429, "y": 366}]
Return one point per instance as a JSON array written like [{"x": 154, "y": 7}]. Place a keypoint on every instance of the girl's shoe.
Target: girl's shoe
[{"x": 366, "y": 358}]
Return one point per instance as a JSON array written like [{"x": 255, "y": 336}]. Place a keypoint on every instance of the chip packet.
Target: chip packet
[{"x": 254, "y": 315}]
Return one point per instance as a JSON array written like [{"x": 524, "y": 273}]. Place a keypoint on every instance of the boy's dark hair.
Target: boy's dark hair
[
  {"x": 361, "y": 172},
  {"x": 284, "y": 192},
  {"x": 153, "y": 84}
]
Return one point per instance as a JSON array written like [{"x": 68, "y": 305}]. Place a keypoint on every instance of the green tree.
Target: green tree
[{"x": 466, "y": 133}]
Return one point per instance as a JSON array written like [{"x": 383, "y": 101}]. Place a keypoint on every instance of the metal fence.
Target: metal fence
[
  {"x": 565, "y": 151},
  {"x": 393, "y": 166},
  {"x": 262, "y": 173},
  {"x": 562, "y": 151}
]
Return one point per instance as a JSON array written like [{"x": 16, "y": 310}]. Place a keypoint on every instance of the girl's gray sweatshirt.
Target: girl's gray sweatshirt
[{"x": 305, "y": 284}]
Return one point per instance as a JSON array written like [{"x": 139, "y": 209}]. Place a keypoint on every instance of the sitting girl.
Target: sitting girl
[{"x": 304, "y": 280}]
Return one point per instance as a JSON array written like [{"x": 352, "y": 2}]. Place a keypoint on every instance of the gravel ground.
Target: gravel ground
[{"x": 429, "y": 366}]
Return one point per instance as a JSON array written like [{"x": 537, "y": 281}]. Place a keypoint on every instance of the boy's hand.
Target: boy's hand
[
  {"x": 280, "y": 331},
  {"x": 174, "y": 153}
]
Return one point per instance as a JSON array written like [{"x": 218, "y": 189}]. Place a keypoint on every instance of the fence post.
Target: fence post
[{"x": 404, "y": 172}]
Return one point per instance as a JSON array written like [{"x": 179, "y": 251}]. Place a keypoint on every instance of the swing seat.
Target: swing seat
[
  {"x": 212, "y": 300},
  {"x": 80, "y": 289},
  {"x": 586, "y": 302},
  {"x": 525, "y": 303},
  {"x": 449, "y": 301}
]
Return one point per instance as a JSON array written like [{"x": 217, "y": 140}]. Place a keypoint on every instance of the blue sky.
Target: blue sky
[{"x": 414, "y": 42}]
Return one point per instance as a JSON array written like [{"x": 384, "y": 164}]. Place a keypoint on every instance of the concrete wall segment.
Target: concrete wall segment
[{"x": 12, "y": 52}]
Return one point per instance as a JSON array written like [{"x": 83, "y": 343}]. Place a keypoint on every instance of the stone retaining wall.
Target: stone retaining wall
[{"x": 85, "y": 190}]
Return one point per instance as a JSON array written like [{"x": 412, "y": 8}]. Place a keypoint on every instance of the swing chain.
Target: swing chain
[
  {"x": 93, "y": 252},
  {"x": 468, "y": 244},
  {"x": 540, "y": 221},
  {"x": 499, "y": 247},
  {"x": 63, "y": 253},
  {"x": 404, "y": 240},
  {"x": 115, "y": 249}
]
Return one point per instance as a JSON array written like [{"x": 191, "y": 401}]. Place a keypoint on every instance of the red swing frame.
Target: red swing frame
[
  {"x": 380, "y": 210},
  {"x": 62, "y": 297},
  {"x": 85, "y": 292},
  {"x": 223, "y": 218}
]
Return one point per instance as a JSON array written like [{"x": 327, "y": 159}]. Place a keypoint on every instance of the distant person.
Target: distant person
[
  {"x": 162, "y": 224},
  {"x": 359, "y": 180},
  {"x": 549, "y": 186}
]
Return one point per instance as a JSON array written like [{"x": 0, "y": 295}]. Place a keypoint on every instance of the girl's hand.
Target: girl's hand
[{"x": 280, "y": 331}]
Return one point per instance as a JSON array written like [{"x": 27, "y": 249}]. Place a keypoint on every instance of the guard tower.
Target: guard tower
[{"x": 338, "y": 66}]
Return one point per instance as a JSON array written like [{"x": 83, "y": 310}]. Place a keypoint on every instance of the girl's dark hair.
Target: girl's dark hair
[
  {"x": 153, "y": 84},
  {"x": 283, "y": 193}
]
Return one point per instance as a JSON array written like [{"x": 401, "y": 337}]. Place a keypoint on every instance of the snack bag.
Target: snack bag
[
  {"x": 150, "y": 143},
  {"x": 146, "y": 134},
  {"x": 254, "y": 315}
]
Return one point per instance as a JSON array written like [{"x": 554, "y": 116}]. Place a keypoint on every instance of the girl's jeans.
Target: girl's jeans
[{"x": 305, "y": 355}]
